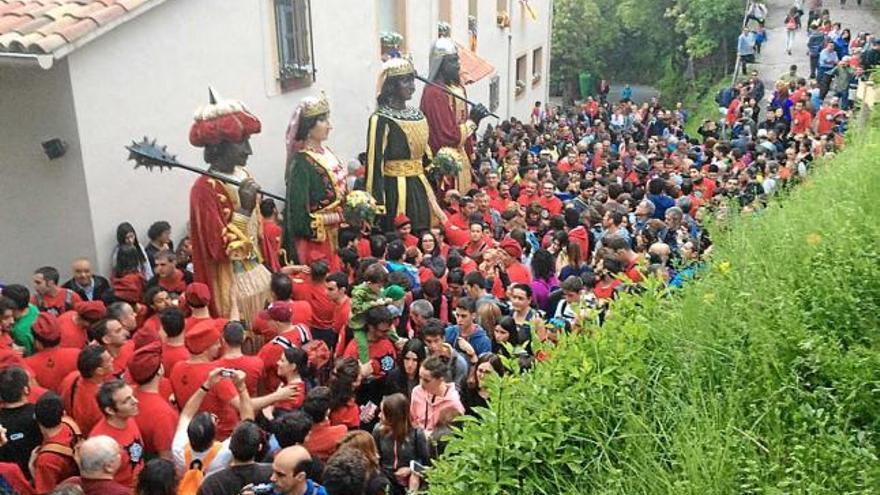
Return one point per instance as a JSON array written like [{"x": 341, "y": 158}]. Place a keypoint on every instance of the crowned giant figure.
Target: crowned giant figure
[{"x": 452, "y": 125}]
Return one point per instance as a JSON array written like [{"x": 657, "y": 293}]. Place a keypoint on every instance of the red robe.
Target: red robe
[
  {"x": 446, "y": 118},
  {"x": 210, "y": 211},
  {"x": 272, "y": 246}
]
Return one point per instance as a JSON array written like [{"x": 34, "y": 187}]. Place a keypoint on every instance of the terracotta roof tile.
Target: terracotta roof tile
[{"x": 44, "y": 26}]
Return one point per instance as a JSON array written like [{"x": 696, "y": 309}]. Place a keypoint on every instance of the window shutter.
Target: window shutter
[{"x": 294, "y": 36}]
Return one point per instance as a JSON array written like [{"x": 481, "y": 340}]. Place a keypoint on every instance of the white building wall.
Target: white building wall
[
  {"x": 148, "y": 76},
  {"x": 44, "y": 216}
]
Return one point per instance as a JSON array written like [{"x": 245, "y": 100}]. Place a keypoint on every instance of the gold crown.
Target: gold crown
[
  {"x": 315, "y": 105},
  {"x": 399, "y": 67}
]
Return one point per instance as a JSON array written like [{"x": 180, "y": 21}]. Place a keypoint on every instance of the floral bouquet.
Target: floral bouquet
[
  {"x": 359, "y": 206},
  {"x": 447, "y": 163}
]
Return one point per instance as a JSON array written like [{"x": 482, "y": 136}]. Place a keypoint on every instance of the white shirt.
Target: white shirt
[{"x": 181, "y": 440}]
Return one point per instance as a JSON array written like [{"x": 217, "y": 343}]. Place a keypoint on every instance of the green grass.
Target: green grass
[
  {"x": 761, "y": 377},
  {"x": 702, "y": 106}
]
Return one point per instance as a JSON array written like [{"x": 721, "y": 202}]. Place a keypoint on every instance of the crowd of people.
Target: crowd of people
[{"x": 349, "y": 381}]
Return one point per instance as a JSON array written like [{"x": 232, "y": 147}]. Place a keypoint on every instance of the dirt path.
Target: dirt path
[{"x": 774, "y": 61}]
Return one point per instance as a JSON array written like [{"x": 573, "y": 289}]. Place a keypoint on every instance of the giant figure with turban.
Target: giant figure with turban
[{"x": 224, "y": 219}]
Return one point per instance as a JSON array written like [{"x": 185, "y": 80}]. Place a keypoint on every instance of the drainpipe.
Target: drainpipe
[
  {"x": 509, "y": 54},
  {"x": 548, "y": 59},
  {"x": 27, "y": 60}
]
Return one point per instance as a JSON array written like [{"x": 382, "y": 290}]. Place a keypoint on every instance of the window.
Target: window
[
  {"x": 392, "y": 25},
  {"x": 494, "y": 93},
  {"x": 293, "y": 31},
  {"x": 446, "y": 11},
  {"x": 521, "y": 75},
  {"x": 537, "y": 64},
  {"x": 472, "y": 8}
]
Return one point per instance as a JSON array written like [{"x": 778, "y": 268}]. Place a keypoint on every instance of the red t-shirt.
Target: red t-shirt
[
  {"x": 131, "y": 449},
  {"x": 271, "y": 352},
  {"x": 60, "y": 303},
  {"x": 340, "y": 322},
  {"x": 500, "y": 204},
  {"x": 72, "y": 335},
  {"x": 348, "y": 415},
  {"x": 190, "y": 322},
  {"x": 706, "y": 187},
  {"x": 632, "y": 271},
  {"x": 187, "y": 377},
  {"x": 315, "y": 293},
  {"x": 323, "y": 439},
  {"x": 120, "y": 362},
  {"x": 383, "y": 355},
  {"x": 157, "y": 421},
  {"x": 50, "y": 366},
  {"x": 51, "y": 468},
  {"x": 11, "y": 472},
  {"x": 526, "y": 200},
  {"x": 171, "y": 355},
  {"x": 518, "y": 274},
  {"x": 251, "y": 365},
  {"x": 801, "y": 122},
  {"x": 606, "y": 291},
  {"x": 297, "y": 401},
  {"x": 79, "y": 398},
  {"x": 553, "y": 205}
]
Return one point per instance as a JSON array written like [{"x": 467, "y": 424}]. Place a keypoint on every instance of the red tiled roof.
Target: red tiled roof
[{"x": 44, "y": 26}]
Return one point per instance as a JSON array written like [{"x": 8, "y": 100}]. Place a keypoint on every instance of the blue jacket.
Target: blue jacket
[
  {"x": 479, "y": 340},
  {"x": 815, "y": 42},
  {"x": 662, "y": 203}
]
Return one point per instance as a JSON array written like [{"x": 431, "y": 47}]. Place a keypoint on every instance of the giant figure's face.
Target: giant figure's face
[
  {"x": 406, "y": 87},
  {"x": 450, "y": 70},
  {"x": 227, "y": 155}
]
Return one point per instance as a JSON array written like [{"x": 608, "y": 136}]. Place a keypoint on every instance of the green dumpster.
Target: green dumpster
[{"x": 586, "y": 84}]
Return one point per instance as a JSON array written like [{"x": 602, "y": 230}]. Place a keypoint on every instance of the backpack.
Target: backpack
[
  {"x": 61, "y": 448},
  {"x": 194, "y": 475},
  {"x": 317, "y": 350}
]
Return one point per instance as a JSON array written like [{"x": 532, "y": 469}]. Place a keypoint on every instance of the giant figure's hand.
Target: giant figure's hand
[
  {"x": 247, "y": 194},
  {"x": 478, "y": 113}
]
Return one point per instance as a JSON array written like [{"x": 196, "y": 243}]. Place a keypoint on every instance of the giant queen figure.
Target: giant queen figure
[
  {"x": 398, "y": 152},
  {"x": 452, "y": 125},
  {"x": 224, "y": 219}
]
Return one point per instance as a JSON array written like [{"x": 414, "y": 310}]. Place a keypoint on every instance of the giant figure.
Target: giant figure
[
  {"x": 398, "y": 152},
  {"x": 452, "y": 125},
  {"x": 224, "y": 221},
  {"x": 315, "y": 186}
]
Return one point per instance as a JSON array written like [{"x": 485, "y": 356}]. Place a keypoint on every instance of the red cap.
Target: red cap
[
  {"x": 511, "y": 247},
  {"x": 144, "y": 337},
  {"x": 203, "y": 335},
  {"x": 145, "y": 362},
  {"x": 401, "y": 220},
  {"x": 90, "y": 311},
  {"x": 46, "y": 327},
  {"x": 198, "y": 295},
  {"x": 278, "y": 311}
]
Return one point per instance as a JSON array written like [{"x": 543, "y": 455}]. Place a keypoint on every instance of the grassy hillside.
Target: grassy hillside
[{"x": 761, "y": 377}]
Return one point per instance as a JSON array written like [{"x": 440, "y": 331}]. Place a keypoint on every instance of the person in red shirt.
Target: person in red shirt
[
  {"x": 323, "y": 438},
  {"x": 110, "y": 333},
  {"x": 198, "y": 300},
  {"x": 503, "y": 201},
  {"x": 624, "y": 253},
  {"x": 801, "y": 119},
  {"x": 508, "y": 266},
  {"x": 492, "y": 183},
  {"x": 314, "y": 291},
  {"x": 376, "y": 353},
  {"x": 233, "y": 358},
  {"x": 548, "y": 200},
  {"x": 292, "y": 367},
  {"x": 343, "y": 386},
  {"x": 479, "y": 242},
  {"x": 48, "y": 296},
  {"x": 78, "y": 389},
  {"x": 529, "y": 192},
  {"x": 51, "y": 362},
  {"x": 119, "y": 405},
  {"x": 168, "y": 276},
  {"x": 282, "y": 291},
  {"x": 825, "y": 117},
  {"x": 607, "y": 270},
  {"x": 173, "y": 348},
  {"x": 284, "y": 334},
  {"x": 74, "y": 325},
  {"x": 157, "y": 420},
  {"x": 337, "y": 285},
  {"x": 403, "y": 225},
  {"x": 54, "y": 460},
  {"x": 156, "y": 298},
  {"x": 271, "y": 248},
  {"x": 705, "y": 186}
]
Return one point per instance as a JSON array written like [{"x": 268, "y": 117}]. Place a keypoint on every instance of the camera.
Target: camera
[
  {"x": 228, "y": 373},
  {"x": 263, "y": 489}
]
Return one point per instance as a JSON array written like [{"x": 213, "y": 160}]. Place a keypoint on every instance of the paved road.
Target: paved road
[{"x": 774, "y": 61}]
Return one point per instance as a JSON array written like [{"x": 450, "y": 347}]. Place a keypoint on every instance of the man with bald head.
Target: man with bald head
[
  {"x": 290, "y": 471},
  {"x": 89, "y": 286},
  {"x": 99, "y": 459}
]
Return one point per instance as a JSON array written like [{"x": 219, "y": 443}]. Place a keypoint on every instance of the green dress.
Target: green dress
[
  {"x": 397, "y": 154},
  {"x": 312, "y": 213}
]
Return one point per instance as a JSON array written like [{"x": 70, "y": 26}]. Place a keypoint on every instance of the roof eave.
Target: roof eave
[{"x": 46, "y": 61}]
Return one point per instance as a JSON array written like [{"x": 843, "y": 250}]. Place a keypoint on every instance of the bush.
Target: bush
[{"x": 761, "y": 377}]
